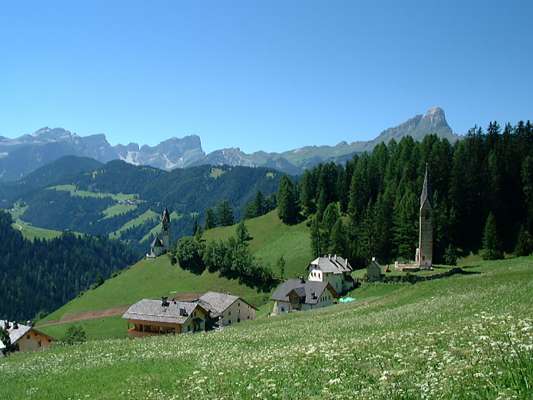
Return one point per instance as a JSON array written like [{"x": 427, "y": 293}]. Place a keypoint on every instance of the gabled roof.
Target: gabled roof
[
  {"x": 308, "y": 291},
  {"x": 217, "y": 302},
  {"x": 334, "y": 264},
  {"x": 157, "y": 242},
  {"x": 153, "y": 310},
  {"x": 14, "y": 334}
]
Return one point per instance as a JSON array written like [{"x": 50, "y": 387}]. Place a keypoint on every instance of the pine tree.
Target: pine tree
[
  {"x": 450, "y": 255},
  {"x": 259, "y": 204},
  {"x": 491, "y": 243},
  {"x": 337, "y": 239},
  {"x": 322, "y": 203},
  {"x": 287, "y": 201},
  {"x": 224, "y": 214},
  {"x": 315, "y": 237},
  {"x": 524, "y": 243},
  {"x": 331, "y": 215},
  {"x": 242, "y": 234},
  {"x": 307, "y": 193},
  {"x": 210, "y": 219}
]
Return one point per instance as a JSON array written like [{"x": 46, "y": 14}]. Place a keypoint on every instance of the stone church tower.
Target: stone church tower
[{"x": 424, "y": 252}]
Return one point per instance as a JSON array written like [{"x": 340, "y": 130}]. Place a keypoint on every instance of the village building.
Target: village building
[
  {"x": 302, "y": 295},
  {"x": 24, "y": 337},
  {"x": 373, "y": 271},
  {"x": 156, "y": 317},
  {"x": 424, "y": 252},
  {"x": 226, "y": 309},
  {"x": 334, "y": 270},
  {"x": 161, "y": 243}
]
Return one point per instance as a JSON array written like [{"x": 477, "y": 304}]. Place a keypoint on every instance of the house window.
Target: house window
[
  {"x": 229, "y": 313},
  {"x": 238, "y": 320},
  {"x": 28, "y": 337}
]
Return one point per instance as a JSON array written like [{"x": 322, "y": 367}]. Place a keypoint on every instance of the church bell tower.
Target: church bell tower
[{"x": 424, "y": 252}]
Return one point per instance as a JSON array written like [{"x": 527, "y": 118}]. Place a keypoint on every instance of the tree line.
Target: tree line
[
  {"x": 42, "y": 275},
  {"x": 481, "y": 191},
  {"x": 231, "y": 258}
]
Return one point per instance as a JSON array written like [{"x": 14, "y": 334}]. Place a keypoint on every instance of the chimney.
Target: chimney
[
  {"x": 164, "y": 301},
  {"x": 6, "y": 325},
  {"x": 373, "y": 258},
  {"x": 15, "y": 325},
  {"x": 29, "y": 323},
  {"x": 183, "y": 312},
  {"x": 302, "y": 280}
]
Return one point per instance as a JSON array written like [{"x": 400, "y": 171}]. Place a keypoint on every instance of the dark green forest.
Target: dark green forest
[
  {"x": 42, "y": 275},
  {"x": 481, "y": 190}
]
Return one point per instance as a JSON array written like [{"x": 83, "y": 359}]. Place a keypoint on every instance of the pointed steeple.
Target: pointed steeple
[{"x": 425, "y": 189}]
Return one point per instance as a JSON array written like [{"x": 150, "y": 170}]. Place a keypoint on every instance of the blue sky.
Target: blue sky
[{"x": 271, "y": 75}]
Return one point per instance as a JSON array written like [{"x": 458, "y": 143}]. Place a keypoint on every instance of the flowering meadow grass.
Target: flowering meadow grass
[{"x": 464, "y": 337}]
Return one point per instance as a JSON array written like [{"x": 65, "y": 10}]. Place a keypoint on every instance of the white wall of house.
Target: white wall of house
[
  {"x": 239, "y": 311},
  {"x": 281, "y": 307}
]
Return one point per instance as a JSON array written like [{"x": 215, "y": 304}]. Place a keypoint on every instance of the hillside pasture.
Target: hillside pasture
[{"x": 464, "y": 337}]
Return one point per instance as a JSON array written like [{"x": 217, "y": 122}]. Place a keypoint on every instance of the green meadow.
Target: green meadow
[{"x": 463, "y": 337}]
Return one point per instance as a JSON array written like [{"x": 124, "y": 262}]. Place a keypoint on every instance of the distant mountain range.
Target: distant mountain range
[{"x": 20, "y": 156}]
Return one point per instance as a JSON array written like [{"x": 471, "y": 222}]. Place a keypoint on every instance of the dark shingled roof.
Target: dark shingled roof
[
  {"x": 153, "y": 310},
  {"x": 308, "y": 291}
]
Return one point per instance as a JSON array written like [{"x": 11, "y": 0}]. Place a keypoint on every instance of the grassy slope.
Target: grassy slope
[
  {"x": 146, "y": 279},
  {"x": 272, "y": 239},
  {"x": 448, "y": 338}
]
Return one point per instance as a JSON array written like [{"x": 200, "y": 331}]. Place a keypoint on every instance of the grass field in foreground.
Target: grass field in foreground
[
  {"x": 464, "y": 337},
  {"x": 272, "y": 239}
]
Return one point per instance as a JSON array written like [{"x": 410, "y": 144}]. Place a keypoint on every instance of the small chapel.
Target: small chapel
[{"x": 161, "y": 243}]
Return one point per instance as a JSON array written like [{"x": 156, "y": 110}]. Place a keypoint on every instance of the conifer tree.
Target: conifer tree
[
  {"x": 210, "y": 219},
  {"x": 524, "y": 243},
  {"x": 242, "y": 234},
  {"x": 307, "y": 193},
  {"x": 224, "y": 214},
  {"x": 337, "y": 240},
  {"x": 491, "y": 243},
  {"x": 287, "y": 201},
  {"x": 315, "y": 237},
  {"x": 281, "y": 267}
]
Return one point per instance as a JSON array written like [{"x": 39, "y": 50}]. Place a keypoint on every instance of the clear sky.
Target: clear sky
[{"x": 271, "y": 75}]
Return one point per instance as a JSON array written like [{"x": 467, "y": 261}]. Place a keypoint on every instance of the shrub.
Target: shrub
[{"x": 75, "y": 335}]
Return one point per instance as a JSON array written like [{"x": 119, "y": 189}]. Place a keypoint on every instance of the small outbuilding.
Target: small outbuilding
[{"x": 373, "y": 271}]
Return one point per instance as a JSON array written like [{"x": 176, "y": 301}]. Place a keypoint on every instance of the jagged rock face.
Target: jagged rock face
[{"x": 24, "y": 154}]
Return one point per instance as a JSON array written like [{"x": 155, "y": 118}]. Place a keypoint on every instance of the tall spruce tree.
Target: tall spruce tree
[
  {"x": 224, "y": 214},
  {"x": 491, "y": 241},
  {"x": 287, "y": 201},
  {"x": 210, "y": 219},
  {"x": 337, "y": 239}
]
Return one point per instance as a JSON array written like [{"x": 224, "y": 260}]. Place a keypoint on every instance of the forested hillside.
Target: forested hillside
[
  {"x": 481, "y": 191},
  {"x": 42, "y": 275},
  {"x": 124, "y": 201}
]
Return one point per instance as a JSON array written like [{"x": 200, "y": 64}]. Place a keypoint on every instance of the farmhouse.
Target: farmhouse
[
  {"x": 334, "y": 270},
  {"x": 301, "y": 295},
  {"x": 227, "y": 309},
  {"x": 155, "y": 317},
  {"x": 24, "y": 337}
]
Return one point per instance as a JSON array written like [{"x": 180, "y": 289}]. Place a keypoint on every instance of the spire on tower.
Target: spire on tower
[{"x": 425, "y": 189}]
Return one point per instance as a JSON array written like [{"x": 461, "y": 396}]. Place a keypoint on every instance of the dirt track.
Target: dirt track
[{"x": 82, "y": 316}]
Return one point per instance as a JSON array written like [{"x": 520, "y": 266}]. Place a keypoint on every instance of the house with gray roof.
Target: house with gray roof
[
  {"x": 301, "y": 295},
  {"x": 227, "y": 309},
  {"x": 156, "y": 317},
  {"x": 24, "y": 337},
  {"x": 334, "y": 270}
]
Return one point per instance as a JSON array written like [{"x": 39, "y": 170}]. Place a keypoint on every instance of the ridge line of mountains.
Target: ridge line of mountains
[{"x": 22, "y": 155}]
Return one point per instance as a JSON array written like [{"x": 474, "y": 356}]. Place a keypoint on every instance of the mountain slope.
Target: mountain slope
[
  {"x": 463, "y": 337},
  {"x": 124, "y": 201},
  {"x": 156, "y": 278},
  {"x": 20, "y": 156}
]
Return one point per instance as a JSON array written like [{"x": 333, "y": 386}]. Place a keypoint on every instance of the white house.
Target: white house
[
  {"x": 226, "y": 308},
  {"x": 24, "y": 337},
  {"x": 332, "y": 269},
  {"x": 301, "y": 295}
]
